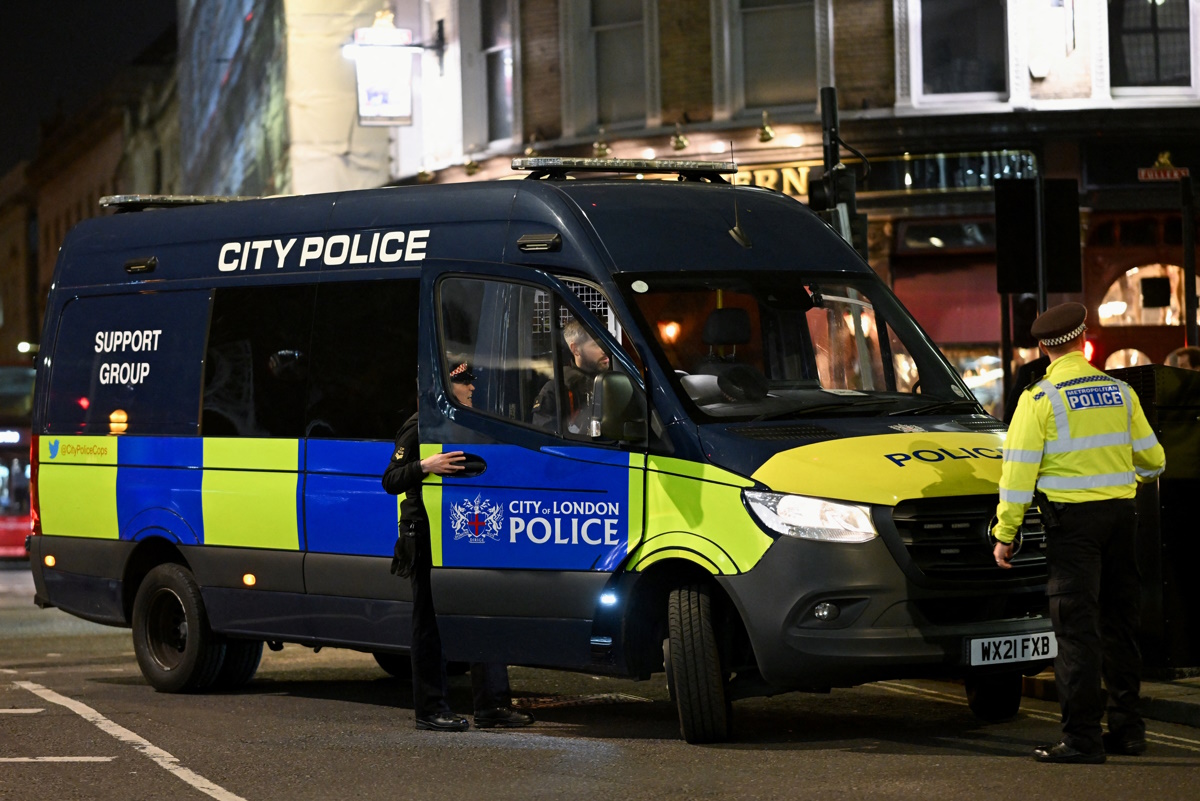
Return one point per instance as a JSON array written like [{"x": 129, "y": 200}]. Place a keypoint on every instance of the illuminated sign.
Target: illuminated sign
[
  {"x": 9, "y": 437},
  {"x": 383, "y": 74}
]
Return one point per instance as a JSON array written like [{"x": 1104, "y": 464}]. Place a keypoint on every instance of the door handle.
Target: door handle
[{"x": 472, "y": 466}]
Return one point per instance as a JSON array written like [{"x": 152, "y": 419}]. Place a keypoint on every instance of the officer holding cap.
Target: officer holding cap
[
  {"x": 1079, "y": 439},
  {"x": 413, "y": 560}
]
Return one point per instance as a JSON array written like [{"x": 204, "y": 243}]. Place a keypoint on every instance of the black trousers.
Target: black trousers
[
  {"x": 489, "y": 681},
  {"x": 1094, "y": 607}
]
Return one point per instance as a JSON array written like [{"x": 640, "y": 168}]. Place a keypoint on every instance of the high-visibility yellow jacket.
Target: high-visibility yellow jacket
[{"x": 1077, "y": 435}]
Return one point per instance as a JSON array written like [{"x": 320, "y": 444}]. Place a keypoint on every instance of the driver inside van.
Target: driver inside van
[{"x": 588, "y": 361}]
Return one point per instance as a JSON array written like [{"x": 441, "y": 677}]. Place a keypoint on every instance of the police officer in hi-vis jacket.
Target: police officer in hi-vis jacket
[{"x": 1079, "y": 439}]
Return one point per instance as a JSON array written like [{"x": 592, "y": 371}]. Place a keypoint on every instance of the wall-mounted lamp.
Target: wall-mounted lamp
[
  {"x": 766, "y": 133},
  {"x": 600, "y": 148},
  {"x": 679, "y": 141}
]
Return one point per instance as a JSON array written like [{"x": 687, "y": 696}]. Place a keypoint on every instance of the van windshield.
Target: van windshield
[{"x": 780, "y": 344}]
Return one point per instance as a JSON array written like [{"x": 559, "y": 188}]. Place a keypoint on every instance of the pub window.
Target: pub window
[
  {"x": 611, "y": 63},
  {"x": 258, "y": 361},
  {"x": 1151, "y": 294},
  {"x": 963, "y": 47},
  {"x": 1149, "y": 43},
  {"x": 490, "y": 77},
  {"x": 777, "y": 40}
]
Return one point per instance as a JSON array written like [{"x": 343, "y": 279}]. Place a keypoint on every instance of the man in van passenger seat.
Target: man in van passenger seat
[
  {"x": 404, "y": 474},
  {"x": 578, "y": 378}
]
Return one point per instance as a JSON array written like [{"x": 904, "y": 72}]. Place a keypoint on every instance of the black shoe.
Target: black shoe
[
  {"x": 502, "y": 717},
  {"x": 1065, "y": 754},
  {"x": 442, "y": 721},
  {"x": 1125, "y": 746}
]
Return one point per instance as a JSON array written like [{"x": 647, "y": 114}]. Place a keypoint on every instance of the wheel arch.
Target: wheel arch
[
  {"x": 151, "y": 551},
  {"x": 645, "y": 625}
]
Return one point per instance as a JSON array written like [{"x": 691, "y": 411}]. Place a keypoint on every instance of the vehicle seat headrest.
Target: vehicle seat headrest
[{"x": 727, "y": 327}]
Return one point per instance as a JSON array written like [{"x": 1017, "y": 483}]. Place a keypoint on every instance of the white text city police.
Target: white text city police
[
  {"x": 381, "y": 247},
  {"x": 599, "y": 527}
]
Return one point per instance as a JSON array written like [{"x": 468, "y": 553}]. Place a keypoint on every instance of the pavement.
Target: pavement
[
  {"x": 1173, "y": 697},
  {"x": 1169, "y": 700}
]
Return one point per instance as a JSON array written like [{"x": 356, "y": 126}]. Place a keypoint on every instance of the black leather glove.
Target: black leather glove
[{"x": 404, "y": 556}]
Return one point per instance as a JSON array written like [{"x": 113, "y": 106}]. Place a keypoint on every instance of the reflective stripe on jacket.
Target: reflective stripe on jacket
[{"x": 1077, "y": 435}]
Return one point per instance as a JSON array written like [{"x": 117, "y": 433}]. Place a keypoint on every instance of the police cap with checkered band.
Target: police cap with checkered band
[{"x": 1059, "y": 325}]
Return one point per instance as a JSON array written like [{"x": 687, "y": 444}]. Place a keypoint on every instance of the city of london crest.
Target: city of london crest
[{"x": 477, "y": 520}]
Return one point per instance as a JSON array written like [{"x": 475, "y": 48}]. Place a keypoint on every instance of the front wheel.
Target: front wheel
[
  {"x": 995, "y": 697},
  {"x": 175, "y": 648},
  {"x": 694, "y": 667},
  {"x": 397, "y": 665}
]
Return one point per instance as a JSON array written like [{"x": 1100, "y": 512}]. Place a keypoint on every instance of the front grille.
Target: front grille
[
  {"x": 947, "y": 538},
  {"x": 810, "y": 433},
  {"x": 982, "y": 423}
]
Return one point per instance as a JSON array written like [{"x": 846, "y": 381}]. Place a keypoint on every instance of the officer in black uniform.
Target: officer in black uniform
[{"x": 404, "y": 474}]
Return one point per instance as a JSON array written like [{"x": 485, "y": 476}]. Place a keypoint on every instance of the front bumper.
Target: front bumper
[{"x": 889, "y": 624}]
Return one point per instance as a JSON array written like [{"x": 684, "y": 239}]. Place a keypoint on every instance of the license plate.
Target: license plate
[{"x": 1021, "y": 648}]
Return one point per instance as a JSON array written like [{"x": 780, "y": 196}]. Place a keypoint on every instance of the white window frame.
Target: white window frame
[
  {"x": 910, "y": 73},
  {"x": 729, "y": 79},
  {"x": 475, "y": 84},
  {"x": 1148, "y": 95},
  {"x": 578, "y": 58}
]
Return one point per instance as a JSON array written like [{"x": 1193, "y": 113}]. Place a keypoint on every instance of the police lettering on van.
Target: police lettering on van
[
  {"x": 777, "y": 483},
  {"x": 387, "y": 247}
]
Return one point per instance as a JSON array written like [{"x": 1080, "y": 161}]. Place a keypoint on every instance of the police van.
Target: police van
[{"x": 777, "y": 483}]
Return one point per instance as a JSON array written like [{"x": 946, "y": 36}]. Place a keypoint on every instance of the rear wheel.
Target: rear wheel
[
  {"x": 694, "y": 667},
  {"x": 240, "y": 664},
  {"x": 398, "y": 665},
  {"x": 995, "y": 697},
  {"x": 175, "y": 648}
]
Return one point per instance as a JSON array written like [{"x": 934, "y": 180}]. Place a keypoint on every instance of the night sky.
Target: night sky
[{"x": 56, "y": 54}]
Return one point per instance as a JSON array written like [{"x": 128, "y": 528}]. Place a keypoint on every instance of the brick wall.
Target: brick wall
[
  {"x": 685, "y": 57},
  {"x": 541, "y": 70},
  {"x": 864, "y": 54}
]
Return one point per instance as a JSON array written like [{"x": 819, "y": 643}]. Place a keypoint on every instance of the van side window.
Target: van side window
[
  {"x": 128, "y": 364},
  {"x": 503, "y": 330},
  {"x": 258, "y": 362},
  {"x": 364, "y": 359}
]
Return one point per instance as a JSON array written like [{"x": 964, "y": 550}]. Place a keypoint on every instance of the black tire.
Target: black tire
[
  {"x": 398, "y": 665},
  {"x": 695, "y": 667},
  {"x": 175, "y": 648},
  {"x": 995, "y": 697},
  {"x": 240, "y": 664}
]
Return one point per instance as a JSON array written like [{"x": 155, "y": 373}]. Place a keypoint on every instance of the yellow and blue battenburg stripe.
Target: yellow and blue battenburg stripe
[{"x": 274, "y": 494}]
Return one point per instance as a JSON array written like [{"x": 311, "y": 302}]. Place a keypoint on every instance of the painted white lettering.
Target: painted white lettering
[
  {"x": 342, "y": 242},
  {"x": 355, "y": 256},
  {"x": 588, "y": 524},
  {"x": 515, "y": 526},
  {"x": 259, "y": 245},
  {"x": 281, "y": 251},
  {"x": 245, "y": 253},
  {"x": 391, "y": 236},
  {"x": 224, "y": 264},
  {"x": 535, "y": 522},
  {"x": 416, "y": 245},
  {"x": 311, "y": 249},
  {"x": 610, "y": 532},
  {"x": 374, "y": 246}
]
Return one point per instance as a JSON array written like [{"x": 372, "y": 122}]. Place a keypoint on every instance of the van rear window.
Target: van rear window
[{"x": 128, "y": 364}]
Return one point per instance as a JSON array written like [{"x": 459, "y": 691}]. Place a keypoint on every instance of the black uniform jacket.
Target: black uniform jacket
[{"x": 404, "y": 473}]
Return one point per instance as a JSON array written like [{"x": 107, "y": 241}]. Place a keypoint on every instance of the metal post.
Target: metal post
[{"x": 1188, "y": 209}]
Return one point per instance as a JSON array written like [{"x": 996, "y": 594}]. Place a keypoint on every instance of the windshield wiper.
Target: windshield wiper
[
  {"x": 936, "y": 406},
  {"x": 858, "y": 404}
]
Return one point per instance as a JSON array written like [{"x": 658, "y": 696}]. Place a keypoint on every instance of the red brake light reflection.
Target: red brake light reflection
[{"x": 84, "y": 403}]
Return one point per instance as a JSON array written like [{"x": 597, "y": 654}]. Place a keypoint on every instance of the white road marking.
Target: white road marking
[
  {"x": 57, "y": 759},
  {"x": 1183, "y": 743},
  {"x": 7, "y": 670},
  {"x": 19, "y": 711},
  {"x": 163, "y": 759}
]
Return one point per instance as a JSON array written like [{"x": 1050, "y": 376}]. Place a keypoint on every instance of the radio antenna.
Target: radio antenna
[{"x": 736, "y": 231}]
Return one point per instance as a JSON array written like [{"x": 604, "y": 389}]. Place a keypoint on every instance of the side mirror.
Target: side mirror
[{"x": 618, "y": 409}]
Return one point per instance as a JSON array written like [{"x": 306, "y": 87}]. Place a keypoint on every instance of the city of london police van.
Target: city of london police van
[{"x": 776, "y": 484}]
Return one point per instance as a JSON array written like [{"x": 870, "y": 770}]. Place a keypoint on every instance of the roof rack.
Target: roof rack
[
  {"x": 556, "y": 169},
  {"x": 123, "y": 203}
]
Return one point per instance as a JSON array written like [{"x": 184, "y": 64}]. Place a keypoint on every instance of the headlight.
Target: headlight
[{"x": 811, "y": 518}]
